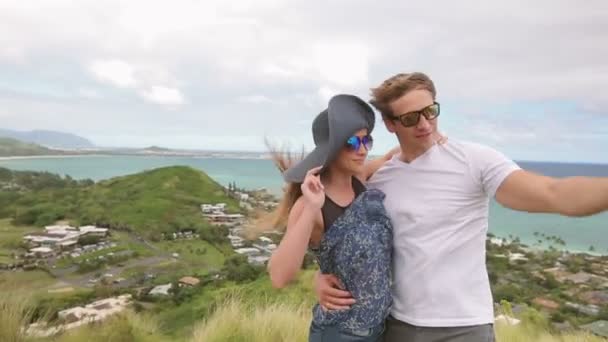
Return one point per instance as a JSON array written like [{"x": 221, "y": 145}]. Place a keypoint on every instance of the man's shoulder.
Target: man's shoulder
[
  {"x": 467, "y": 146},
  {"x": 471, "y": 151}
]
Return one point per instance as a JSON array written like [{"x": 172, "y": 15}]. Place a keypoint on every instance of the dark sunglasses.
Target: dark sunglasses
[
  {"x": 354, "y": 143},
  {"x": 412, "y": 118}
]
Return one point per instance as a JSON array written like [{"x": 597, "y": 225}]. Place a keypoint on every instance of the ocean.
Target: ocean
[{"x": 579, "y": 233}]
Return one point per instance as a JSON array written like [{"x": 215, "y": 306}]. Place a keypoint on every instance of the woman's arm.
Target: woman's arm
[
  {"x": 287, "y": 259},
  {"x": 373, "y": 165}
]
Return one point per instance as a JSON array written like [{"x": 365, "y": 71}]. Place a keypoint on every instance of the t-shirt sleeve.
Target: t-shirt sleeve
[{"x": 492, "y": 167}]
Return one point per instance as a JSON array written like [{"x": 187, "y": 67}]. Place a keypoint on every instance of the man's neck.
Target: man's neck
[{"x": 409, "y": 154}]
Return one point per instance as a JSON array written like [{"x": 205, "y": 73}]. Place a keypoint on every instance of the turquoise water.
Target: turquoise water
[{"x": 579, "y": 233}]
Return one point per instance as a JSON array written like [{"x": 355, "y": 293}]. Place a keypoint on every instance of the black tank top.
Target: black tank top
[{"x": 331, "y": 211}]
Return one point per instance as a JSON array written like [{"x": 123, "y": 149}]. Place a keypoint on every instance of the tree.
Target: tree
[{"x": 238, "y": 269}]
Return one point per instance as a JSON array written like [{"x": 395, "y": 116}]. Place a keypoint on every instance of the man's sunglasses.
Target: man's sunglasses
[
  {"x": 354, "y": 143},
  {"x": 412, "y": 118}
]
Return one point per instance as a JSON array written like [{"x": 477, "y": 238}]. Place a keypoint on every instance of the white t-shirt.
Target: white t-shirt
[{"x": 438, "y": 205}]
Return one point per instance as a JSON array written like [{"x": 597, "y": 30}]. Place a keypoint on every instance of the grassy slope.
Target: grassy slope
[
  {"x": 14, "y": 147},
  {"x": 150, "y": 202}
]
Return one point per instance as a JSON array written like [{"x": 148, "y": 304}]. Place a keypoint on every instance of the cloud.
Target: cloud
[
  {"x": 215, "y": 59},
  {"x": 115, "y": 72},
  {"x": 255, "y": 99},
  {"x": 163, "y": 95},
  {"x": 121, "y": 74}
]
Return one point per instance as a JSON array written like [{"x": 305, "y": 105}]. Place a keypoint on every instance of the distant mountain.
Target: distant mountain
[
  {"x": 13, "y": 147},
  {"x": 51, "y": 139},
  {"x": 156, "y": 149}
]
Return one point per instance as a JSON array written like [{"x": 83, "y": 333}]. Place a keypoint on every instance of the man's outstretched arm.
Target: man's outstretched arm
[{"x": 573, "y": 196}]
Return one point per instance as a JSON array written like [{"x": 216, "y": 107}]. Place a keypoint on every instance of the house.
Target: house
[
  {"x": 49, "y": 239},
  {"x": 250, "y": 251},
  {"x": 265, "y": 239},
  {"x": 189, "y": 281},
  {"x": 42, "y": 252},
  {"x": 78, "y": 316},
  {"x": 599, "y": 328},
  {"x": 224, "y": 218},
  {"x": 59, "y": 229},
  {"x": 517, "y": 257},
  {"x": 236, "y": 241},
  {"x": 67, "y": 245},
  {"x": 258, "y": 259},
  {"x": 546, "y": 303},
  {"x": 94, "y": 231},
  {"x": 161, "y": 290},
  {"x": 210, "y": 208}
]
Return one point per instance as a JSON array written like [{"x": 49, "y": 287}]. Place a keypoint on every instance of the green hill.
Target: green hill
[
  {"x": 12, "y": 147},
  {"x": 150, "y": 203}
]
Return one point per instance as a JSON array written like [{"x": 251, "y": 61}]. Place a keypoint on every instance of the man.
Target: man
[{"x": 437, "y": 196}]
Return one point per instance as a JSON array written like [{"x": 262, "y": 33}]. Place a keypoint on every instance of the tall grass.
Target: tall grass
[
  {"x": 237, "y": 322},
  {"x": 523, "y": 333},
  {"x": 15, "y": 313},
  {"x": 249, "y": 314},
  {"x": 125, "y": 327}
]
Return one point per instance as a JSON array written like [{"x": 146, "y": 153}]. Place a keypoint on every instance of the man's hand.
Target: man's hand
[{"x": 331, "y": 294}]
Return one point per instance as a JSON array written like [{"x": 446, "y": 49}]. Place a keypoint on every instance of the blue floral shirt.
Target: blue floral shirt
[{"x": 357, "y": 248}]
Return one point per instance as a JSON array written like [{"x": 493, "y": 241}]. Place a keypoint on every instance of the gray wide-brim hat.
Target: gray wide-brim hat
[{"x": 344, "y": 116}]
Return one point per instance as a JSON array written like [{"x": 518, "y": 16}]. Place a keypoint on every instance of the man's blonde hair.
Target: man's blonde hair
[{"x": 397, "y": 86}]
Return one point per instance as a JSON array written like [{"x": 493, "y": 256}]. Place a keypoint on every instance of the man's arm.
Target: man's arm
[
  {"x": 330, "y": 292},
  {"x": 573, "y": 196}
]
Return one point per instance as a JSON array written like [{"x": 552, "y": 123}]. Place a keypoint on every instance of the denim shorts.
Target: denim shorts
[{"x": 331, "y": 333}]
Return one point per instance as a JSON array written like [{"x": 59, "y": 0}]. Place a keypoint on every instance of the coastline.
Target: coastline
[
  {"x": 54, "y": 156},
  {"x": 172, "y": 155}
]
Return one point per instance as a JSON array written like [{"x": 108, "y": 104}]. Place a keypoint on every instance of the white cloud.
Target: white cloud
[
  {"x": 290, "y": 57},
  {"x": 163, "y": 95},
  {"x": 115, "y": 72},
  {"x": 144, "y": 79},
  {"x": 342, "y": 63}
]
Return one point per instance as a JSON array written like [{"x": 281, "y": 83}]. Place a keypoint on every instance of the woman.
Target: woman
[{"x": 330, "y": 212}]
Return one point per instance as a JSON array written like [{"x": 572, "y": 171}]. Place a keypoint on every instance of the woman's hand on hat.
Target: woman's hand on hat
[{"x": 312, "y": 188}]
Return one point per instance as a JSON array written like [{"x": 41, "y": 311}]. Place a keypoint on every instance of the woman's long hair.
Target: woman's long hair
[{"x": 283, "y": 159}]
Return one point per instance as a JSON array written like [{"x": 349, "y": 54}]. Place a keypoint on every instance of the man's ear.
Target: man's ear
[{"x": 390, "y": 124}]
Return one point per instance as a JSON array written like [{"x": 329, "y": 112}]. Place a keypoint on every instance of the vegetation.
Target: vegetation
[
  {"x": 235, "y": 300},
  {"x": 13, "y": 147},
  {"x": 247, "y": 312},
  {"x": 160, "y": 201}
]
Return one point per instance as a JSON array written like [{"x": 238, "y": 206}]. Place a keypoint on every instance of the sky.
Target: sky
[{"x": 527, "y": 78}]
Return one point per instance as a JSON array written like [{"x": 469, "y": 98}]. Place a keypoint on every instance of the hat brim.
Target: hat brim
[{"x": 297, "y": 173}]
